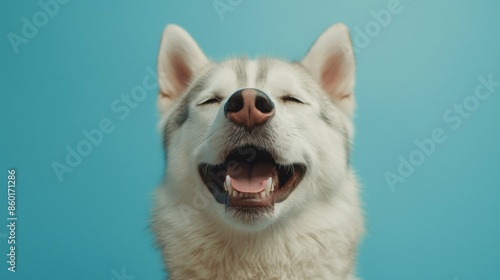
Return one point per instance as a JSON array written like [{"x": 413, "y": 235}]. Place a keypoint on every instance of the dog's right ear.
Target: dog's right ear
[
  {"x": 331, "y": 61},
  {"x": 179, "y": 59}
]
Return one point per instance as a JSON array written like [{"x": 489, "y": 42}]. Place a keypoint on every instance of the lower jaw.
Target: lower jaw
[
  {"x": 250, "y": 217},
  {"x": 264, "y": 202},
  {"x": 250, "y": 211}
]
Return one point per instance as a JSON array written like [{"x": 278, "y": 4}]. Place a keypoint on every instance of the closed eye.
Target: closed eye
[
  {"x": 211, "y": 100},
  {"x": 290, "y": 98}
]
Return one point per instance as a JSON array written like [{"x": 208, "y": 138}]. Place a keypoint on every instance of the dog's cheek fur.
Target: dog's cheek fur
[{"x": 327, "y": 166}]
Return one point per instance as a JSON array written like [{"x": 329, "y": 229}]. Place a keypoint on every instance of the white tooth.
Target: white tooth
[
  {"x": 263, "y": 194},
  {"x": 227, "y": 184},
  {"x": 235, "y": 193},
  {"x": 268, "y": 186}
]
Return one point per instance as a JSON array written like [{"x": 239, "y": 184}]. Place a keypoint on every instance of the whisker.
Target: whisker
[{"x": 203, "y": 141}]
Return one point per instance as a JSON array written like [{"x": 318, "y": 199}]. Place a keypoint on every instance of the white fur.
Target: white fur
[
  {"x": 176, "y": 48},
  {"x": 314, "y": 233}
]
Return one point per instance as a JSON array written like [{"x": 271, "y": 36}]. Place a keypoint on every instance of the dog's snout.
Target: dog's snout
[{"x": 249, "y": 107}]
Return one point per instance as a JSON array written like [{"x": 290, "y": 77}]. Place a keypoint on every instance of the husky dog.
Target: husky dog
[{"x": 258, "y": 183}]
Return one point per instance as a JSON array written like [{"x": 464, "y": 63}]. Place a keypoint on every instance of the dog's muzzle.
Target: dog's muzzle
[{"x": 250, "y": 179}]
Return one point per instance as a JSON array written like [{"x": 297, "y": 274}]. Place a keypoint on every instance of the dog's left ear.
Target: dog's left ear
[{"x": 331, "y": 61}]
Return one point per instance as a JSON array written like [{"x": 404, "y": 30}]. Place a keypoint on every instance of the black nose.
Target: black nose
[{"x": 249, "y": 107}]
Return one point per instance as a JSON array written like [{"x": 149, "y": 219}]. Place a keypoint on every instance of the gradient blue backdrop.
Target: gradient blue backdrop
[{"x": 441, "y": 223}]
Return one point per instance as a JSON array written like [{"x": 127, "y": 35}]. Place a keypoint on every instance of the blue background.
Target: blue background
[{"x": 440, "y": 223}]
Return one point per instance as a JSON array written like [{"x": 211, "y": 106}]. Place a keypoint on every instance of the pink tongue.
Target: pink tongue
[{"x": 246, "y": 178}]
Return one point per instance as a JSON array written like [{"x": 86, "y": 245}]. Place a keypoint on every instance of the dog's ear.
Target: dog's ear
[
  {"x": 179, "y": 59},
  {"x": 331, "y": 61}
]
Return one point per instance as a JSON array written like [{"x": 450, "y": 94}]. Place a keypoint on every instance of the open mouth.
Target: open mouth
[{"x": 250, "y": 178}]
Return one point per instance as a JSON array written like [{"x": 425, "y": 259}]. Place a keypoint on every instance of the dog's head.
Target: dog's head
[{"x": 264, "y": 139}]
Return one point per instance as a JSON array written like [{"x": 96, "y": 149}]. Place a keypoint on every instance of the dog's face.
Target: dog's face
[{"x": 261, "y": 139}]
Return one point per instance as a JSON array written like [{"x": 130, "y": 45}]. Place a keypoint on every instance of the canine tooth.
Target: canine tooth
[
  {"x": 227, "y": 184},
  {"x": 235, "y": 193},
  {"x": 263, "y": 194},
  {"x": 268, "y": 185}
]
